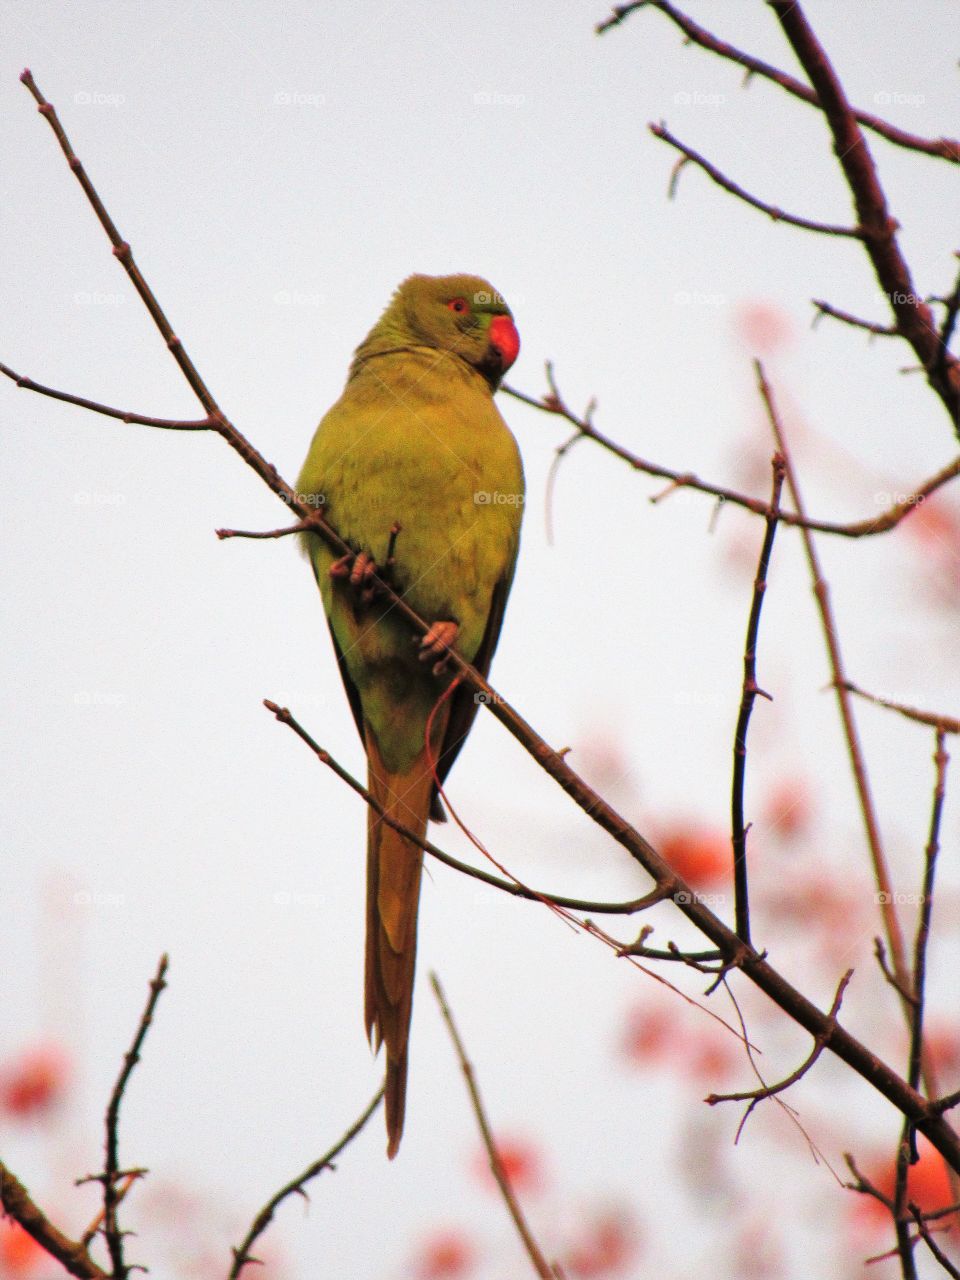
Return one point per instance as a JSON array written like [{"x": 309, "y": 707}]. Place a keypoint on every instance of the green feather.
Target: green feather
[{"x": 416, "y": 439}]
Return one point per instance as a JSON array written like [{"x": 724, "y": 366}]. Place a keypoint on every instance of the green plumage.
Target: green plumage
[{"x": 416, "y": 441}]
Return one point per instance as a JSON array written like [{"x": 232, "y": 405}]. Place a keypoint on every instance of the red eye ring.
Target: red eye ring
[{"x": 458, "y": 304}]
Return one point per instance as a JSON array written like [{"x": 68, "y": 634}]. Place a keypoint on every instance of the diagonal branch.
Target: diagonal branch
[
  {"x": 241, "y": 1254},
  {"x": 18, "y": 1205},
  {"x": 914, "y": 318},
  {"x": 778, "y": 215},
  {"x": 122, "y": 251},
  {"x": 945, "y": 724},
  {"x": 943, "y": 148},
  {"x": 513, "y": 887},
  {"x": 168, "y": 424},
  {"x": 856, "y": 322},
  {"x": 540, "y": 1264},
  {"x": 755, "y": 1096}
]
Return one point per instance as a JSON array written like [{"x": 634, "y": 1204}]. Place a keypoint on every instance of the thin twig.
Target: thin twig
[
  {"x": 952, "y": 304},
  {"x": 925, "y": 1232},
  {"x": 540, "y": 1264},
  {"x": 864, "y": 1186},
  {"x": 943, "y": 148},
  {"x": 302, "y": 526},
  {"x": 880, "y": 952},
  {"x": 787, "y": 1110},
  {"x": 821, "y": 592},
  {"x": 241, "y": 1254},
  {"x": 124, "y": 415},
  {"x": 123, "y": 252},
  {"x": 112, "y": 1173},
  {"x": 881, "y": 523},
  {"x": 778, "y": 215},
  {"x": 943, "y": 723},
  {"x": 747, "y": 698},
  {"x": 882, "y": 330},
  {"x": 513, "y": 887},
  {"x": 941, "y": 759},
  {"x": 754, "y": 1096},
  {"x": 18, "y": 1205}
]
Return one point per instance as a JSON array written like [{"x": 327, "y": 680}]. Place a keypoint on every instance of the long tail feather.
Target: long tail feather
[{"x": 393, "y": 893}]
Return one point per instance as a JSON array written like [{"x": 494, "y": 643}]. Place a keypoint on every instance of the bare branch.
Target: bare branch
[
  {"x": 821, "y": 593},
  {"x": 943, "y": 148},
  {"x": 112, "y": 1173},
  {"x": 18, "y": 1205},
  {"x": 242, "y": 1255},
  {"x": 302, "y": 526},
  {"x": 167, "y": 424},
  {"x": 881, "y": 523},
  {"x": 913, "y": 315},
  {"x": 778, "y": 215},
  {"x": 513, "y": 887},
  {"x": 123, "y": 252},
  {"x": 754, "y": 1096},
  {"x": 946, "y": 724},
  {"x": 540, "y": 1264},
  {"x": 925, "y": 1232},
  {"x": 825, "y": 309},
  {"x": 747, "y": 698}
]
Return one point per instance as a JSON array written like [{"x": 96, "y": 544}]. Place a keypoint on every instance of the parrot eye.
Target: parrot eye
[{"x": 458, "y": 304}]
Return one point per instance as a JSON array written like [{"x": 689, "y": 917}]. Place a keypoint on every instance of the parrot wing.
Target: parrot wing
[{"x": 463, "y": 704}]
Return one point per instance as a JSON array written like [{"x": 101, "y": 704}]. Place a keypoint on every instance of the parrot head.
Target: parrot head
[{"x": 463, "y": 315}]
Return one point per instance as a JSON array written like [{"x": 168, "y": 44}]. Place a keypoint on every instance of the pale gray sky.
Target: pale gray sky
[{"x": 278, "y": 169}]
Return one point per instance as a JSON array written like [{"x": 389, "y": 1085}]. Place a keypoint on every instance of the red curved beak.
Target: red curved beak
[{"x": 504, "y": 339}]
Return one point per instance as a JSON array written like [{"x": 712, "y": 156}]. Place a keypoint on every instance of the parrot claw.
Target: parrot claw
[
  {"x": 436, "y": 643},
  {"x": 357, "y": 571}
]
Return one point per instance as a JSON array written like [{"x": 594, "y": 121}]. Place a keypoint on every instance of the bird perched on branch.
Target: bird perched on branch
[{"x": 418, "y": 472}]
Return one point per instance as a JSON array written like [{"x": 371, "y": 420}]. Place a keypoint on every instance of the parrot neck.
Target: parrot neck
[{"x": 411, "y": 359}]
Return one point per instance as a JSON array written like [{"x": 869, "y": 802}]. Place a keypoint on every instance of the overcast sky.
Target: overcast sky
[{"x": 278, "y": 168}]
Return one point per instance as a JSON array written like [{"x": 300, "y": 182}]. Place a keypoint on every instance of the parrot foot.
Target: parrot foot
[
  {"x": 436, "y": 643},
  {"x": 357, "y": 572}
]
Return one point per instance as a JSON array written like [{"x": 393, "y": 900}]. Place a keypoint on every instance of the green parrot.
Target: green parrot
[{"x": 418, "y": 472}]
